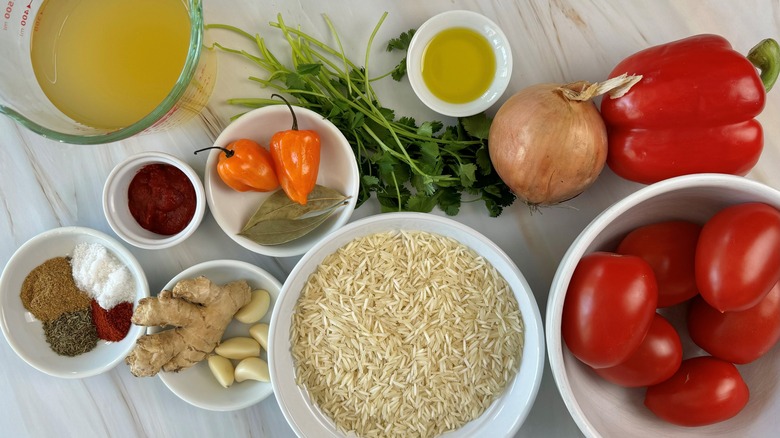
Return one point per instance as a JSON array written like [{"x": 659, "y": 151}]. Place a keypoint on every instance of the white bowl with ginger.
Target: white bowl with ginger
[{"x": 195, "y": 383}]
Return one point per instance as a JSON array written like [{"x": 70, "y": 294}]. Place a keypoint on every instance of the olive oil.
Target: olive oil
[
  {"x": 109, "y": 63},
  {"x": 458, "y": 65}
]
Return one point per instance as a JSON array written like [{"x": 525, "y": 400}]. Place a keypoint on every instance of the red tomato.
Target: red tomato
[
  {"x": 738, "y": 256},
  {"x": 609, "y": 307},
  {"x": 657, "y": 358},
  {"x": 705, "y": 390},
  {"x": 670, "y": 249},
  {"x": 738, "y": 336}
]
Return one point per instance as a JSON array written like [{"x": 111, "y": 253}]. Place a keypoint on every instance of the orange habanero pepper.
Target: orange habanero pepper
[
  {"x": 296, "y": 154},
  {"x": 245, "y": 165}
]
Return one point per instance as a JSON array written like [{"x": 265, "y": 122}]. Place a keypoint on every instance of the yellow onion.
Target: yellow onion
[{"x": 548, "y": 142}]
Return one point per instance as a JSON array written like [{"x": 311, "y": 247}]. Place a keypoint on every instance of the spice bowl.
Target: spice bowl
[
  {"x": 512, "y": 403},
  {"x": 25, "y": 333},
  {"x": 459, "y": 63},
  {"x": 337, "y": 171},
  {"x": 163, "y": 191},
  {"x": 601, "y": 408}
]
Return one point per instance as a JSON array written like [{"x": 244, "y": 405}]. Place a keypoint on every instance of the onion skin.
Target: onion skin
[{"x": 545, "y": 147}]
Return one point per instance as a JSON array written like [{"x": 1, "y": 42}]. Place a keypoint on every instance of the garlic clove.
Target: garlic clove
[
  {"x": 238, "y": 348},
  {"x": 222, "y": 369},
  {"x": 260, "y": 334},
  {"x": 252, "y": 368},
  {"x": 256, "y": 308}
]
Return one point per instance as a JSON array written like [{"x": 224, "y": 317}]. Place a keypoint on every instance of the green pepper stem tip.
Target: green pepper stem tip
[{"x": 766, "y": 57}]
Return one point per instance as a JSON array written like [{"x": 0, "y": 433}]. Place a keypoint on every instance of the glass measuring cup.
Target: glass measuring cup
[{"x": 22, "y": 98}]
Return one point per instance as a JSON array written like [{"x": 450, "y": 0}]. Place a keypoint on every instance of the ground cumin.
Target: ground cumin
[{"x": 49, "y": 290}]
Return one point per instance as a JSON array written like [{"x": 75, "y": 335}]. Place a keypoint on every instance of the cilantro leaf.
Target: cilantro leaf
[
  {"x": 477, "y": 125},
  {"x": 399, "y": 71},
  {"x": 468, "y": 174},
  {"x": 425, "y": 130},
  {"x": 421, "y": 203},
  {"x": 369, "y": 181},
  {"x": 402, "y": 42},
  {"x": 429, "y": 152},
  {"x": 449, "y": 201},
  {"x": 408, "y": 122},
  {"x": 309, "y": 69},
  {"x": 294, "y": 81},
  {"x": 483, "y": 161}
]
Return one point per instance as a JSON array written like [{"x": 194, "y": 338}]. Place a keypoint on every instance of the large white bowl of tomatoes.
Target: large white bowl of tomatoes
[{"x": 664, "y": 314}]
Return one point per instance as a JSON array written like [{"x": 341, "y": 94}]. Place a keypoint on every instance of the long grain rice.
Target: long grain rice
[{"x": 405, "y": 334}]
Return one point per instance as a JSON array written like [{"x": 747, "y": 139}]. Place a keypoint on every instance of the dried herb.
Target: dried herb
[
  {"x": 280, "y": 220},
  {"x": 72, "y": 333}
]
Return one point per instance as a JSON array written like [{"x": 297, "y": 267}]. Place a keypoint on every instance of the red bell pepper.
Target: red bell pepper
[{"x": 692, "y": 112}]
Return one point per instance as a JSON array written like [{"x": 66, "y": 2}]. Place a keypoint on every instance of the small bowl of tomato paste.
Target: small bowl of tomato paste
[{"x": 153, "y": 200}]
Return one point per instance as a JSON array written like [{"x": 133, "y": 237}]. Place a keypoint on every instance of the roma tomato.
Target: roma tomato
[
  {"x": 738, "y": 256},
  {"x": 705, "y": 390},
  {"x": 657, "y": 358},
  {"x": 608, "y": 308},
  {"x": 737, "y": 336},
  {"x": 670, "y": 249}
]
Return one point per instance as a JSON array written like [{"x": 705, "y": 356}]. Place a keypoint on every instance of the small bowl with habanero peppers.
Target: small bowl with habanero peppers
[
  {"x": 153, "y": 200},
  {"x": 308, "y": 190}
]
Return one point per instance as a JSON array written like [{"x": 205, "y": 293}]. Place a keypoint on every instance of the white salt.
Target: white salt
[{"x": 104, "y": 278}]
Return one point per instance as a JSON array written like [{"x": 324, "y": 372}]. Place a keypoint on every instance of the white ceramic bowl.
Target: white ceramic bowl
[
  {"x": 603, "y": 409},
  {"x": 117, "y": 211},
  {"x": 25, "y": 333},
  {"x": 483, "y": 26},
  {"x": 501, "y": 419},
  {"x": 338, "y": 170},
  {"x": 197, "y": 385}
]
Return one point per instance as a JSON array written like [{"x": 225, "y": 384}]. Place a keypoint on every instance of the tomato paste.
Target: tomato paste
[{"x": 161, "y": 199}]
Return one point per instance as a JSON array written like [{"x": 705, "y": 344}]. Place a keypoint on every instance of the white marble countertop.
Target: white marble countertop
[{"x": 45, "y": 185}]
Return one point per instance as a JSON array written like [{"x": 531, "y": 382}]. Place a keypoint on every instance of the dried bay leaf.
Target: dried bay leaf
[
  {"x": 279, "y": 206},
  {"x": 280, "y": 220},
  {"x": 279, "y": 231}
]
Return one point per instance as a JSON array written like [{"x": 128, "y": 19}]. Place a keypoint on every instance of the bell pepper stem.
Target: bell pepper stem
[
  {"x": 228, "y": 152},
  {"x": 766, "y": 57},
  {"x": 295, "y": 119}
]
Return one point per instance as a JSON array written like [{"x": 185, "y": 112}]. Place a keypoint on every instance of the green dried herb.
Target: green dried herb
[
  {"x": 280, "y": 220},
  {"x": 72, "y": 333}
]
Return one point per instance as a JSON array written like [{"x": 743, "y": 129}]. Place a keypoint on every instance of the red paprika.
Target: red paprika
[
  {"x": 692, "y": 112},
  {"x": 113, "y": 324}
]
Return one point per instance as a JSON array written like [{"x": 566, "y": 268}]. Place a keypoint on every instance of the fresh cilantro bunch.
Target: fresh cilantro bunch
[{"x": 409, "y": 166}]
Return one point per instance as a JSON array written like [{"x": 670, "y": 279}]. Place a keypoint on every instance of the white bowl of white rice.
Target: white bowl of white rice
[{"x": 406, "y": 324}]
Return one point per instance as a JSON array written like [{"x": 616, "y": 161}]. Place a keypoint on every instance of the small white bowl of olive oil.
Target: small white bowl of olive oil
[{"x": 459, "y": 63}]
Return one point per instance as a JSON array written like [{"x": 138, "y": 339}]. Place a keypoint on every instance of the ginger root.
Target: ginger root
[{"x": 199, "y": 310}]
